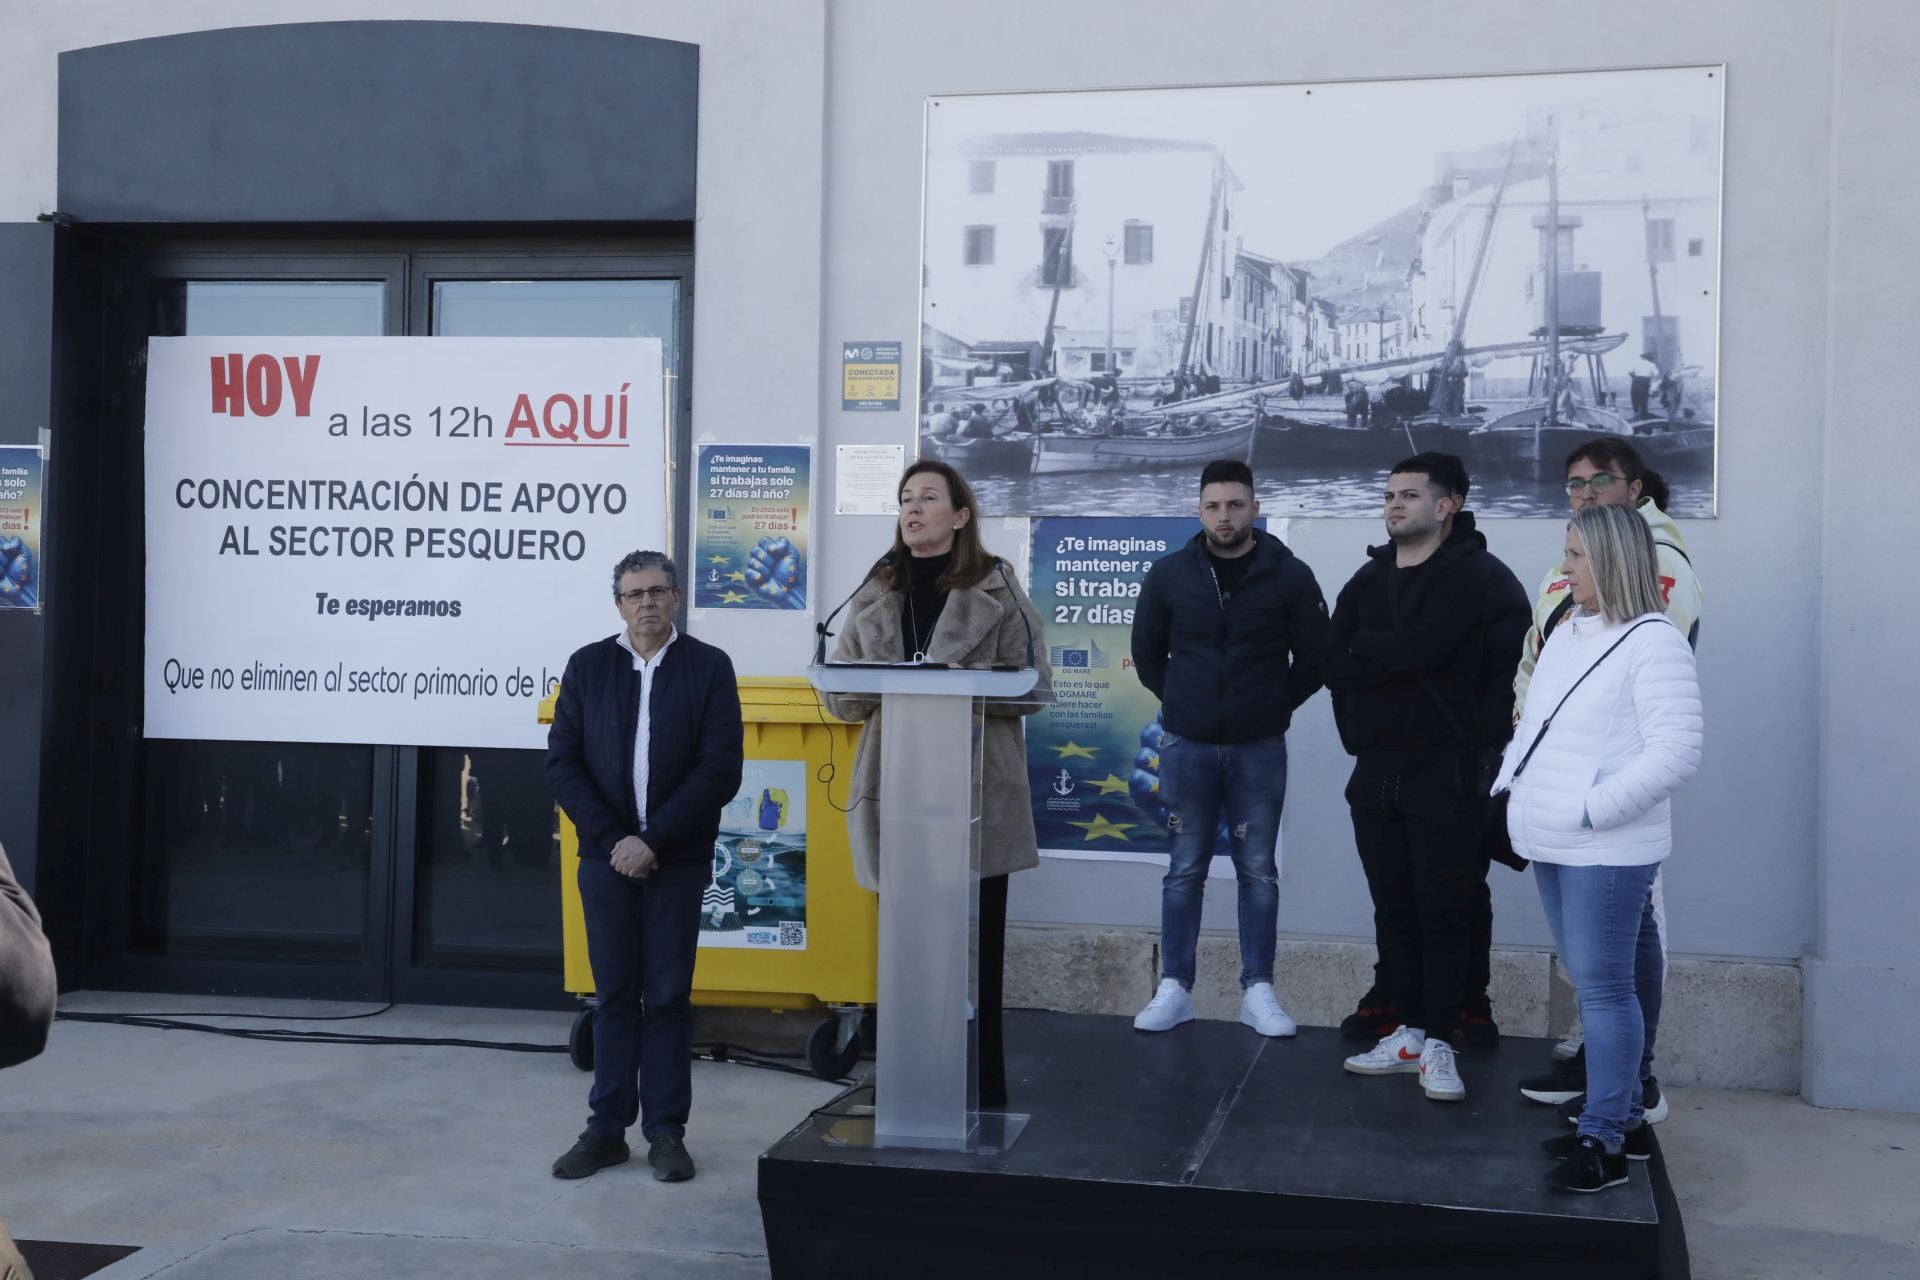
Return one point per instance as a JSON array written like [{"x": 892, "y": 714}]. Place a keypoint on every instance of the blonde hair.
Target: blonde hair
[{"x": 1622, "y": 560}]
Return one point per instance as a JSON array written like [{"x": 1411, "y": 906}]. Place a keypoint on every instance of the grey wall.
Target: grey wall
[
  {"x": 1867, "y": 972},
  {"x": 1741, "y": 883},
  {"x": 26, "y": 381}
]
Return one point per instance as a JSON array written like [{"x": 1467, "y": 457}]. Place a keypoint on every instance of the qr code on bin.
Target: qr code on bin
[{"x": 793, "y": 933}]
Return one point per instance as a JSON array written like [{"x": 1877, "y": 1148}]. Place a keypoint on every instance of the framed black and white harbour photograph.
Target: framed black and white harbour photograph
[{"x": 1119, "y": 286}]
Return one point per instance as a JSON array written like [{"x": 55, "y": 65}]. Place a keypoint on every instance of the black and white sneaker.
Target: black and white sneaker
[
  {"x": 1638, "y": 1145},
  {"x": 1562, "y": 1081},
  {"x": 1589, "y": 1168},
  {"x": 1652, "y": 1101}
]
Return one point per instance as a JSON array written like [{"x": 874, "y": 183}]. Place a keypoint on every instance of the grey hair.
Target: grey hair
[
  {"x": 634, "y": 561},
  {"x": 1622, "y": 559}
]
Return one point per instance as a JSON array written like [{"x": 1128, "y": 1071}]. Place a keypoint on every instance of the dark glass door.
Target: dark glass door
[
  {"x": 480, "y": 895},
  {"x": 340, "y": 871},
  {"x": 231, "y": 866}
]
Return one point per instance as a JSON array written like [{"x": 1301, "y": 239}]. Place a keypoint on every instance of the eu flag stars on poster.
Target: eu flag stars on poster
[{"x": 1093, "y": 757}]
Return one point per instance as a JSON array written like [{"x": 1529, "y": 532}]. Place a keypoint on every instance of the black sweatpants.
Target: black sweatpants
[{"x": 1415, "y": 828}]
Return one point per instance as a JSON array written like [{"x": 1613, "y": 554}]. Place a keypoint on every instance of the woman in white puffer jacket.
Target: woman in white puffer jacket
[{"x": 1612, "y": 722}]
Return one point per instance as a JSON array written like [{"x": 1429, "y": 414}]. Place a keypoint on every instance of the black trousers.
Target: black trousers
[
  {"x": 993, "y": 963},
  {"x": 642, "y": 938},
  {"x": 1480, "y": 941},
  {"x": 1479, "y": 949},
  {"x": 1415, "y": 827}
]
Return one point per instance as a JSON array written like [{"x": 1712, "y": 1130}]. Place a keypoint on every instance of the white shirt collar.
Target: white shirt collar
[{"x": 640, "y": 663}]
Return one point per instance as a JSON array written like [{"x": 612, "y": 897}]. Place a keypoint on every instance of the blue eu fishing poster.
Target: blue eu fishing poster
[
  {"x": 1093, "y": 757},
  {"x": 21, "y": 557},
  {"x": 752, "y": 509}
]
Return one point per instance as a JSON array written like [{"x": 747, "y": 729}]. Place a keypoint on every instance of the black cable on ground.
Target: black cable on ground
[
  {"x": 77, "y": 1015},
  {"x": 716, "y": 1051},
  {"x": 853, "y": 1087}
]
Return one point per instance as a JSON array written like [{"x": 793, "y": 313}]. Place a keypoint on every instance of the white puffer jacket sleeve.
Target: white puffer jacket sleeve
[{"x": 1666, "y": 702}]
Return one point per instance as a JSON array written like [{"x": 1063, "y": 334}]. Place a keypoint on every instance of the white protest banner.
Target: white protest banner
[{"x": 388, "y": 540}]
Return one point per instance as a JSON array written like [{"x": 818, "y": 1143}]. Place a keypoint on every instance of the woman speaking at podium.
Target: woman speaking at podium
[{"x": 941, "y": 597}]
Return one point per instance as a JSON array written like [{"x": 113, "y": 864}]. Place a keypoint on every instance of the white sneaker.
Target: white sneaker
[
  {"x": 1260, "y": 1009},
  {"x": 1170, "y": 1006},
  {"x": 1395, "y": 1053},
  {"x": 1439, "y": 1076},
  {"x": 1568, "y": 1048}
]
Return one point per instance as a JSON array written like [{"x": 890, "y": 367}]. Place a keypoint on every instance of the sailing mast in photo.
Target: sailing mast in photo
[
  {"x": 1652, "y": 342},
  {"x": 1206, "y": 256},
  {"x": 1062, "y": 258},
  {"x": 1454, "y": 354},
  {"x": 1552, "y": 253}
]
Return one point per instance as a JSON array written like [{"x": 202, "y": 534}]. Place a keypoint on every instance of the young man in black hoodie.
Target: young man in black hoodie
[
  {"x": 1420, "y": 663},
  {"x": 1227, "y": 634}
]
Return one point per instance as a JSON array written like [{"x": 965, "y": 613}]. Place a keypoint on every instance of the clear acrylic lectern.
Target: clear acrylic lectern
[{"x": 926, "y": 1084}]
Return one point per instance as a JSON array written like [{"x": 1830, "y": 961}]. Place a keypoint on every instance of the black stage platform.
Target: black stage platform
[{"x": 1207, "y": 1150}]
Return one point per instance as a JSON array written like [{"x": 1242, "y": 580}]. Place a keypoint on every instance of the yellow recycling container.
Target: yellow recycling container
[{"x": 783, "y": 925}]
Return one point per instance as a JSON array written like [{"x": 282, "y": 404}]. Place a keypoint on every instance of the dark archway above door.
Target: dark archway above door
[{"x": 351, "y": 122}]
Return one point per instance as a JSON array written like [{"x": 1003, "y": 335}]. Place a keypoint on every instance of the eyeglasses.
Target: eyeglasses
[
  {"x": 659, "y": 595},
  {"x": 1599, "y": 483}
]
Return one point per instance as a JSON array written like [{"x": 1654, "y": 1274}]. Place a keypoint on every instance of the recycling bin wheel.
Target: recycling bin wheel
[
  {"x": 580, "y": 1040},
  {"x": 824, "y": 1056}
]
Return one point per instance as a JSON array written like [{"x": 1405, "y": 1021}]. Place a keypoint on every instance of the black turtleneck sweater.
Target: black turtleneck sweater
[{"x": 925, "y": 598}]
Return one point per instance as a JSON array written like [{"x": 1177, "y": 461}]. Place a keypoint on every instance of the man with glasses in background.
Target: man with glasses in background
[
  {"x": 644, "y": 752},
  {"x": 1605, "y": 470}
]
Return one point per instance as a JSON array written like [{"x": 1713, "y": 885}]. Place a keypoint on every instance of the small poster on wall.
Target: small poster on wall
[
  {"x": 750, "y": 526},
  {"x": 21, "y": 558},
  {"x": 866, "y": 479},
  {"x": 870, "y": 376}
]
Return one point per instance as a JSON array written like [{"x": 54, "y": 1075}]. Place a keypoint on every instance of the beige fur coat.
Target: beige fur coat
[{"x": 979, "y": 627}]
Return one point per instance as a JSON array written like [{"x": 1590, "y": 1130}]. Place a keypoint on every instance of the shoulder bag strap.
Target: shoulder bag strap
[
  {"x": 1548, "y": 722},
  {"x": 1560, "y": 611}
]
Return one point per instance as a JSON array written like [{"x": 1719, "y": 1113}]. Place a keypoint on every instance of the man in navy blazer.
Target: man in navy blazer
[{"x": 644, "y": 752}]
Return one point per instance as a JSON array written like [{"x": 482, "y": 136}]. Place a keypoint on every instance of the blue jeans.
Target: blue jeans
[
  {"x": 1650, "y": 972},
  {"x": 1602, "y": 922},
  {"x": 1204, "y": 784}
]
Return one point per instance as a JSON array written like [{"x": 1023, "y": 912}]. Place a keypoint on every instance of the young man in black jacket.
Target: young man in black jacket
[
  {"x": 1420, "y": 663},
  {"x": 1227, "y": 634},
  {"x": 644, "y": 752}
]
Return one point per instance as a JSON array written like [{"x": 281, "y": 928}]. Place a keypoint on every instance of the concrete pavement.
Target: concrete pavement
[{"x": 232, "y": 1158}]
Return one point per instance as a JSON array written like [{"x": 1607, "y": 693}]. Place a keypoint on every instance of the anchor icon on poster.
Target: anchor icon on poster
[{"x": 1063, "y": 785}]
